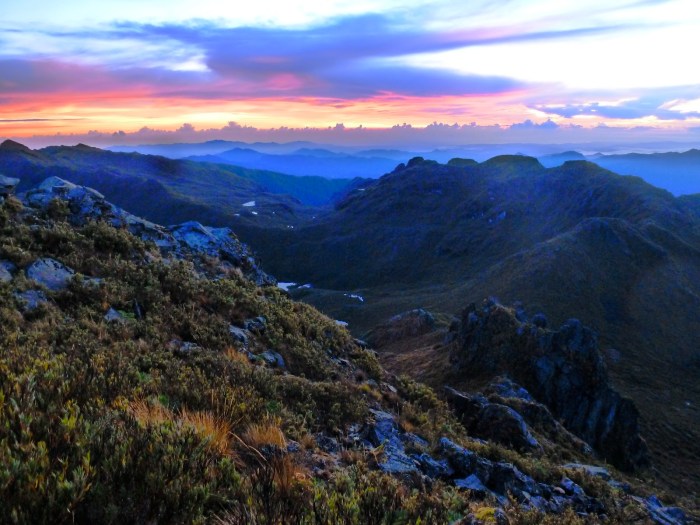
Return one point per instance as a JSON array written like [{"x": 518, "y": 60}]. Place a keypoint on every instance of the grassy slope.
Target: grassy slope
[{"x": 104, "y": 422}]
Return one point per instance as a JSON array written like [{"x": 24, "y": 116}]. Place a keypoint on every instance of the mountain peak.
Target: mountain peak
[
  {"x": 11, "y": 145},
  {"x": 514, "y": 161}
]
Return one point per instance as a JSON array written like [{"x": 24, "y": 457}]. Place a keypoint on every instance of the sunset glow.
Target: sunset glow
[{"x": 124, "y": 65}]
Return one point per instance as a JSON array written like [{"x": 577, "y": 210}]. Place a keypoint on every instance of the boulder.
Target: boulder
[
  {"x": 385, "y": 433},
  {"x": 183, "y": 348},
  {"x": 273, "y": 358},
  {"x": 239, "y": 335},
  {"x": 661, "y": 514},
  {"x": 258, "y": 324},
  {"x": 219, "y": 243},
  {"x": 562, "y": 369},
  {"x": 113, "y": 316},
  {"x": 6, "y": 271},
  {"x": 504, "y": 387},
  {"x": 31, "y": 299},
  {"x": 50, "y": 273},
  {"x": 474, "y": 484}
]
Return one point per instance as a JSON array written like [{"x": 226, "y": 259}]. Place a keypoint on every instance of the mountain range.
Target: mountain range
[
  {"x": 677, "y": 170},
  {"x": 155, "y": 374},
  {"x": 574, "y": 240}
]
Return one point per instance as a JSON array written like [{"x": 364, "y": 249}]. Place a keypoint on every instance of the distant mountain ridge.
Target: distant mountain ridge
[
  {"x": 305, "y": 161},
  {"x": 163, "y": 189},
  {"x": 678, "y": 172}
]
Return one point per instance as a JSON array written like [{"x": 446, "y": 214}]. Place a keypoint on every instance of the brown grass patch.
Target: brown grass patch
[{"x": 265, "y": 433}]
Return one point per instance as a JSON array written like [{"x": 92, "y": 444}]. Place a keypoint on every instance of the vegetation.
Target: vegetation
[{"x": 160, "y": 416}]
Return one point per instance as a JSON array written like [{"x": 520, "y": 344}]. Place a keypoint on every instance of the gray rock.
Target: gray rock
[
  {"x": 504, "y": 387},
  {"x": 258, "y": 324},
  {"x": 327, "y": 443},
  {"x": 183, "y": 348},
  {"x": 293, "y": 446},
  {"x": 6, "y": 271},
  {"x": 239, "y": 334},
  {"x": 31, "y": 299},
  {"x": 662, "y": 515},
  {"x": 50, "y": 273},
  {"x": 493, "y": 421},
  {"x": 474, "y": 484},
  {"x": 219, "y": 243},
  {"x": 570, "y": 487},
  {"x": 562, "y": 369},
  {"x": 112, "y": 316},
  {"x": 272, "y": 358},
  {"x": 385, "y": 433},
  {"x": 433, "y": 468}
]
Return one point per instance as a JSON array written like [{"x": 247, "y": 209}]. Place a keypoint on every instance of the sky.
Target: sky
[{"x": 130, "y": 71}]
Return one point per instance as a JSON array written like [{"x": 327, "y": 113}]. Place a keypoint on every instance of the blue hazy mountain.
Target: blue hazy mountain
[
  {"x": 676, "y": 172},
  {"x": 305, "y": 161}
]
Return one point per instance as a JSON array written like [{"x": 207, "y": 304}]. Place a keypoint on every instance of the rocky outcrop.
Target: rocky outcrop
[
  {"x": 494, "y": 421},
  {"x": 190, "y": 239},
  {"x": 563, "y": 369}
]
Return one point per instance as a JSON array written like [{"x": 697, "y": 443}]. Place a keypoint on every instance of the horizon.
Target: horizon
[{"x": 349, "y": 73}]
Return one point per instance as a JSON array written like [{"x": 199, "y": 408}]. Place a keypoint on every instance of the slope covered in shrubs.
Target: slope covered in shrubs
[{"x": 158, "y": 385}]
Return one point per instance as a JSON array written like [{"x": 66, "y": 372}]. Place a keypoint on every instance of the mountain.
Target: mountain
[
  {"x": 305, "y": 161},
  {"x": 156, "y": 374},
  {"x": 571, "y": 241},
  {"x": 678, "y": 173},
  {"x": 163, "y": 189},
  {"x": 557, "y": 159},
  {"x": 212, "y": 147}
]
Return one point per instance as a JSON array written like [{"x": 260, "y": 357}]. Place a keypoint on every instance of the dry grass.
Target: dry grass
[
  {"x": 149, "y": 414},
  {"x": 215, "y": 430},
  {"x": 236, "y": 355},
  {"x": 266, "y": 433}
]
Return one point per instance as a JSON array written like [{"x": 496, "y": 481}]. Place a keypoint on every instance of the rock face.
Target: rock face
[
  {"x": 563, "y": 369},
  {"x": 187, "y": 239}
]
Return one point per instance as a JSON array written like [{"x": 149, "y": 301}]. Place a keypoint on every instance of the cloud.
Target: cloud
[
  {"x": 435, "y": 135},
  {"x": 530, "y": 125},
  {"x": 663, "y": 104}
]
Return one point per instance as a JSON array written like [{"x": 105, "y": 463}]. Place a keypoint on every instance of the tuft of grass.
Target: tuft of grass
[
  {"x": 266, "y": 433},
  {"x": 215, "y": 430}
]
